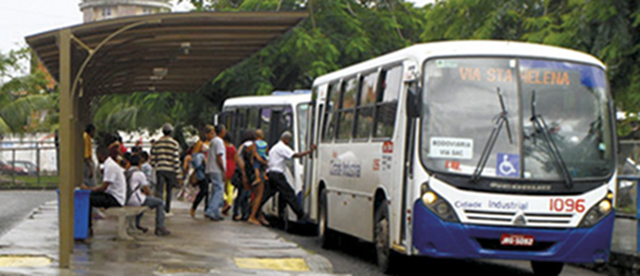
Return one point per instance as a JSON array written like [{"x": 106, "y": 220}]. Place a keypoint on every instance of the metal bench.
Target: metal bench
[{"x": 126, "y": 218}]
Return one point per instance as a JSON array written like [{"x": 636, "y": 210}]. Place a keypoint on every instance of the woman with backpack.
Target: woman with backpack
[{"x": 197, "y": 162}]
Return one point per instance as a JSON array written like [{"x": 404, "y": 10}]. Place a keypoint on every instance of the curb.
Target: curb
[
  {"x": 624, "y": 264},
  {"x": 619, "y": 264}
]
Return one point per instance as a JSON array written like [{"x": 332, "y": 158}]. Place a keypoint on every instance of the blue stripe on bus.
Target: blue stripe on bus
[{"x": 436, "y": 238}]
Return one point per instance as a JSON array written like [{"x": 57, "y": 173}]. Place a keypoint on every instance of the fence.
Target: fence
[
  {"x": 34, "y": 164},
  {"x": 28, "y": 165}
]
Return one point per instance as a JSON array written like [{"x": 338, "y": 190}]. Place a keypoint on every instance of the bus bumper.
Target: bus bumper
[{"x": 436, "y": 238}]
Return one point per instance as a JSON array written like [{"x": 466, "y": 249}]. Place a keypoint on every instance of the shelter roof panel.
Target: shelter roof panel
[{"x": 162, "y": 52}]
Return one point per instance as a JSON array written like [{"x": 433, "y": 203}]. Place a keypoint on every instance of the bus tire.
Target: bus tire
[
  {"x": 387, "y": 259},
  {"x": 546, "y": 268},
  {"x": 328, "y": 238}
]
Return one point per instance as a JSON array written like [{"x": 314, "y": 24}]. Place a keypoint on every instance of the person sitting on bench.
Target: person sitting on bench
[
  {"x": 113, "y": 191},
  {"x": 139, "y": 194}
]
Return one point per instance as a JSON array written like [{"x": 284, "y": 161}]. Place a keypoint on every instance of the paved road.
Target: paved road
[
  {"x": 357, "y": 258},
  {"x": 17, "y": 205}
]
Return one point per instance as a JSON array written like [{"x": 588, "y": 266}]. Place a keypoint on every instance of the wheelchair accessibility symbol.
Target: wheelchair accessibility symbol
[{"x": 508, "y": 165}]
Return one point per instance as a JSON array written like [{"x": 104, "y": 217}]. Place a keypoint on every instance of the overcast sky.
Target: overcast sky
[{"x": 20, "y": 18}]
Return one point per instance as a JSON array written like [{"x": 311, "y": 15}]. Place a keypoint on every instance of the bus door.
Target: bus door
[
  {"x": 410, "y": 145},
  {"x": 309, "y": 160},
  {"x": 281, "y": 120}
]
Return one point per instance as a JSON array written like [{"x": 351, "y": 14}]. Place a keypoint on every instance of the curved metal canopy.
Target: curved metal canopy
[{"x": 176, "y": 52}]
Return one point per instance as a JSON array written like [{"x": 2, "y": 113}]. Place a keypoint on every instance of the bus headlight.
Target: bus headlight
[
  {"x": 437, "y": 205},
  {"x": 597, "y": 212},
  {"x": 429, "y": 198}
]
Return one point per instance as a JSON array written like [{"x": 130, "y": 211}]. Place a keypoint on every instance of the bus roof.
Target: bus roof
[
  {"x": 423, "y": 51},
  {"x": 290, "y": 99}
]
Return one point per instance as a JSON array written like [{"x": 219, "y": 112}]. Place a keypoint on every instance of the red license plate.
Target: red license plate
[{"x": 516, "y": 240}]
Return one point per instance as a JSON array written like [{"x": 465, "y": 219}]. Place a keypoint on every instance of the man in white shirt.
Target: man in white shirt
[
  {"x": 140, "y": 195},
  {"x": 112, "y": 192},
  {"x": 215, "y": 171},
  {"x": 278, "y": 155}
]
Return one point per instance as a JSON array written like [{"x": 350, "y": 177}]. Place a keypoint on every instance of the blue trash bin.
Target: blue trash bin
[{"x": 81, "y": 211}]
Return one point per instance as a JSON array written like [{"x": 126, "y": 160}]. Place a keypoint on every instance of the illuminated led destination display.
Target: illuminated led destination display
[{"x": 532, "y": 76}]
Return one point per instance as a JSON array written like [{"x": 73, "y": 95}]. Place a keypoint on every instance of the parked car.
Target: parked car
[
  {"x": 27, "y": 167},
  {"x": 10, "y": 169}
]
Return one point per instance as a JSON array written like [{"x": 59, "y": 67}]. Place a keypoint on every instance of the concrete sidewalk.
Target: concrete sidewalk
[
  {"x": 624, "y": 259},
  {"x": 195, "y": 247}
]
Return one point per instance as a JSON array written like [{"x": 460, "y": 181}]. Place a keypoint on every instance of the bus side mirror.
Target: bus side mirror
[{"x": 413, "y": 99}]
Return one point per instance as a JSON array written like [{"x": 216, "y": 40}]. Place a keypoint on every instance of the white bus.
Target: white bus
[
  {"x": 467, "y": 149},
  {"x": 273, "y": 114}
]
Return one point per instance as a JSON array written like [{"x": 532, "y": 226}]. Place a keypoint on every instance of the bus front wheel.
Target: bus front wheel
[
  {"x": 327, "y": 236},
  {"x": 387, "y": 258},
  {"x": 546, "y": 268}
]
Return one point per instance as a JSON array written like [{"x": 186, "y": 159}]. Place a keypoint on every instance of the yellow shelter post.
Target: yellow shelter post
[{"x": 67, "y": 153}]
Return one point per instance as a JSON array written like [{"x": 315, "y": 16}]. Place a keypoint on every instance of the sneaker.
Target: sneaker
[
  {"x": 213, "y": 218},
  {"x": 304, "y": 219},
  {"x": 162, "y": 231},
  {"x": 169, "y": 214}
]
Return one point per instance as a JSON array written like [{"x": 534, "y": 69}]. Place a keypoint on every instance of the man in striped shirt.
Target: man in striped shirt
[{"x": 165, "y": 157}]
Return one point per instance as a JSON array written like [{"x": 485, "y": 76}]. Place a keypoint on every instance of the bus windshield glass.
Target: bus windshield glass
[{"x": 516, "y": 118}]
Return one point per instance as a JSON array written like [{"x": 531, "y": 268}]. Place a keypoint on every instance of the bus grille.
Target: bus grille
[{"x": 508, "y": 218}]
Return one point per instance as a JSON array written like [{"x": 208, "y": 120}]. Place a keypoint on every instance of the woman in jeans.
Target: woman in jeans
[{"x": 197, "y": 162}]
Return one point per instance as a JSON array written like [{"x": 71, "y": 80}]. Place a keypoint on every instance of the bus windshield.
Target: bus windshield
[{"x": 516, "y": 118}]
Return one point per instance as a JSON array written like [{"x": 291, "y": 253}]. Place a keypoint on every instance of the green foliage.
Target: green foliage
[
  {"x": 149, "y": 111},
  {"x": 339, "y": 33},
  {"x": 22, "y": 94}
]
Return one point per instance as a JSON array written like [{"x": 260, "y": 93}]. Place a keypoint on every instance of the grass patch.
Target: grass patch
[{"x": 29, "y": 182}]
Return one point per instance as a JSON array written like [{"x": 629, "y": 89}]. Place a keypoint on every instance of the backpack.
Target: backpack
[
  {"x": 197, "y": 174},
  {"x": 129, "y": 173}
]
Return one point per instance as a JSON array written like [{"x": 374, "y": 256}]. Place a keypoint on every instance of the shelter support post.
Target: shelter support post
[{"x": 69, "y": 138}]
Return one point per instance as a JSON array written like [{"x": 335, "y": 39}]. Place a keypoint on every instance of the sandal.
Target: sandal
[{"x": 143, "y": 229}]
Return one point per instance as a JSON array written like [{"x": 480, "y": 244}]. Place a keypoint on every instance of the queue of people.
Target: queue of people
[{"x": 242, "y": 178}]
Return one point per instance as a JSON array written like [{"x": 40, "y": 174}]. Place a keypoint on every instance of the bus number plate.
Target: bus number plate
[{"x": 516, "y": 240}]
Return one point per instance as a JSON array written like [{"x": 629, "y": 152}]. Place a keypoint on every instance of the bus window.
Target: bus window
[
  {"x": 330, "y": 120},
  {"x": 303, "y": 113},
  {"x": 252, "y": 118},
  {"x": 239, "y": 123},
  {"x": 347, "y": 106},
  {"x": 364, "y": 112},
  {"x": 387, "y": 101},
  {"x": 265, "y": 121}
]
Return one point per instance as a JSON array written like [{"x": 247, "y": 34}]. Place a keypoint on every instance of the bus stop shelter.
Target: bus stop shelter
[{"x": 176, "y": 52}]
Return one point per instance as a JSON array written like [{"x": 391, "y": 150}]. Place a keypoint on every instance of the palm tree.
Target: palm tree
[{"x": 23, "y": 97}]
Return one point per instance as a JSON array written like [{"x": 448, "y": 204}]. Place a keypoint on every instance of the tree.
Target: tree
[
  {"x": 338, "y": 33},
  {"x": 149, "y": 111},
  {"x": 24, "y": 95}
]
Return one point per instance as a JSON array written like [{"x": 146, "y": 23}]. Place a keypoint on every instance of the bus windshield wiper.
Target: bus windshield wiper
[
  {"x": 541, "y": 125},
  {"x": 493, "y": 137}
]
